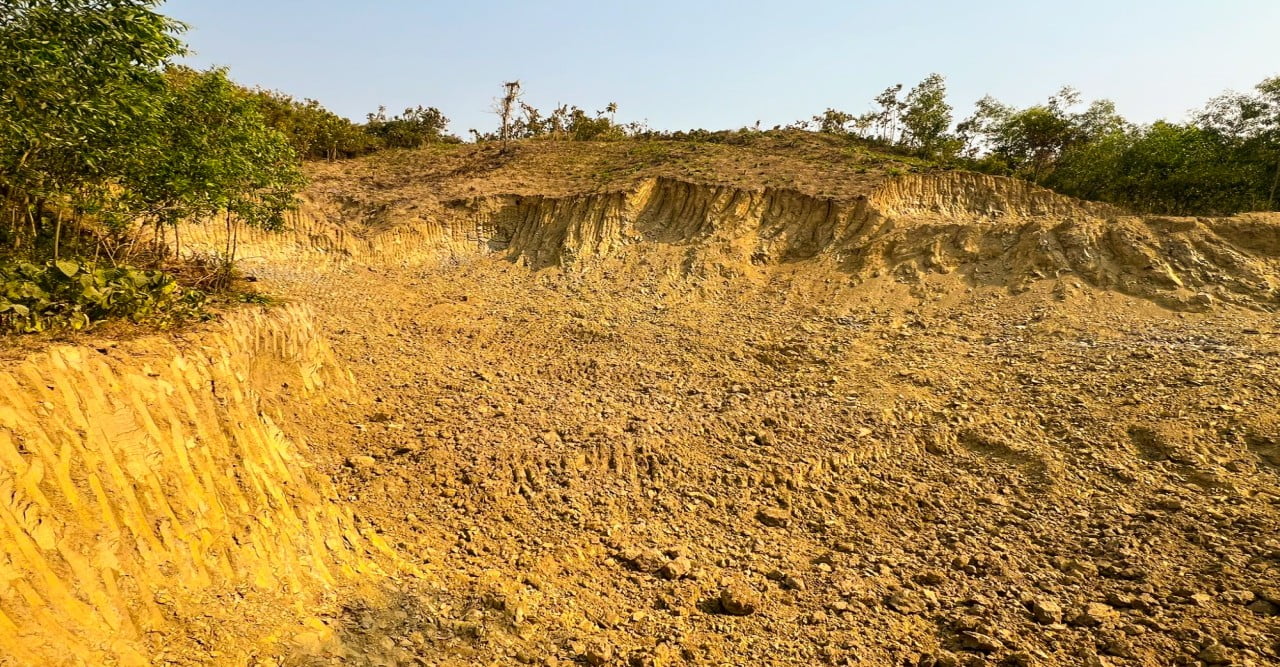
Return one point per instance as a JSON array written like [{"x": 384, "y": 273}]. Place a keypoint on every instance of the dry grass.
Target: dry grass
[{"x": 819, "y": 165}]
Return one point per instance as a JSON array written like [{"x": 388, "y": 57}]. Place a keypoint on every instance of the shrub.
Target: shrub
[{"x": 65, "y": 294}]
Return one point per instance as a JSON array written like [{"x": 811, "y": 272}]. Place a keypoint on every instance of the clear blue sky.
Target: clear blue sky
[{"x": 694, "y": 63}]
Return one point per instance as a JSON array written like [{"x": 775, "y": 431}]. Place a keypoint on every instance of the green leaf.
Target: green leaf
[{"x": 68, "y": 267}]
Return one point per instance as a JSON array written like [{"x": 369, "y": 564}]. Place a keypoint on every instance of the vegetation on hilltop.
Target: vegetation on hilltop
[{"x": 1225, "y": 159}]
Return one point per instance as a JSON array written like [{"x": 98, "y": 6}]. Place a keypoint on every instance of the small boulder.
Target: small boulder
[
  {"x": 906, "y": 602},
  {"x": 678, "y": 568},
  {"x": 1046, "y": 611},
  {"x": 774, "y": 517},
  {"x": 739, "y": 599},
  {"x": 598, "y": 653},
  {"x": 1095, "y": 614}
]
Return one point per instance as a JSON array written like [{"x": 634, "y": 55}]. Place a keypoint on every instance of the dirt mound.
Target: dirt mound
[{"x": 151, "y": 503}]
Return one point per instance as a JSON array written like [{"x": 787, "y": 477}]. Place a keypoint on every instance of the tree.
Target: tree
[
  {"x": 886, "y": 119},
  {"x": 77, "y": 77},
  {"x": 411, "y": 129},
  {"x": 1251, "y": 123},
  {"x": 926, "y": 116},
  {"x": 1028, "y": 142},
  {"x": 833, "y": 121},
  {"x": 211, "y": 152},
  {"x": 314, "y": 132},
  {"x": 506, "y": 107}
]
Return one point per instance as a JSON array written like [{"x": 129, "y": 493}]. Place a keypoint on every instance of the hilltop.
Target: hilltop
[{"x": 817, "y": 165}]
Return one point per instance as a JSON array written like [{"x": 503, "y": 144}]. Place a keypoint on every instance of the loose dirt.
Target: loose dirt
[{"x": 663, "y": 452}]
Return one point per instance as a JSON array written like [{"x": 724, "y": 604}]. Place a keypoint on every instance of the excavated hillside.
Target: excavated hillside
[{"x": 657, "y": 403}]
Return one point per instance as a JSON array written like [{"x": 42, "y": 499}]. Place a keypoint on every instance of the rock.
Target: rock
[
  {"x": 1095, "y": 614},
  {"x": 774, "y": 517},
  {"x": 676, "y": 569},
  {"x": 977, "y": 641},
  {"x": 786, "y": 580},
  {"x": 1091, "y": 659},
  {"x": 598, "y": 653},
  {"x": 931, "y": 577},
  {"x": 1018, "y": 659},
  {"x": 1046, "y": 611},
  {"x": 1118, "y": 646},
  {"x": 644, "y": 560},
  {"x": 1199, "y": 599},
  {"x": 939, "y": 659},
  {"x": 1240, "y": 597},
  {"x": 362, "y": 462},
  {"x": 662, "y": 655},
  {"x": 794, "y": 583},
  {"x": 906, "y": 602},
  {"x": 1263, "y": 608},
  {"x": 739, "y": 599},
  {"x": 1214, "y": 654}
]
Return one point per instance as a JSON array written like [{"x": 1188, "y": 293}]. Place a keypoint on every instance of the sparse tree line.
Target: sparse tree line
[
  {"x": 518, "y": 119},
  {"x": 1226, "y": 158},
  {"x": 316, "y": 133}
]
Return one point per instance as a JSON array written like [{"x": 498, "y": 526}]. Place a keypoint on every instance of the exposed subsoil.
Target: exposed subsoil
[{"x": 627, "y": 466}]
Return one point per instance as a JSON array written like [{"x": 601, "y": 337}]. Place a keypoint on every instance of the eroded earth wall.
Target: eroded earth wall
[
  {"x": 986, "y": 230},
  {"x": 152, "y": 486}
]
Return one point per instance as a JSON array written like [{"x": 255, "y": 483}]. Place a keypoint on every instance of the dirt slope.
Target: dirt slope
[
  {"x": 787, "y": 403},
  {"x": 930, "y": 419},
  {"x": 587, "y": 464}
]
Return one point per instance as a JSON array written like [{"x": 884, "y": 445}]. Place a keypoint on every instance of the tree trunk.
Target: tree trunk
[
  {"x": 1275, "y": 184},
  {"x": 57, "y": 236},
  {"x": 226, "y": 260}
]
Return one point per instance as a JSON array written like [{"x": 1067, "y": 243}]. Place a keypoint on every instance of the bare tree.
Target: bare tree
[{"x": 506, "y": 108}]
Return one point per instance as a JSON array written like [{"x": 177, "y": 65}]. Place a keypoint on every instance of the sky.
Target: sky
[{"x": 715, "y": 65}]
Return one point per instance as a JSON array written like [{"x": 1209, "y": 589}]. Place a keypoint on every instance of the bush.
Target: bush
[{"x": 66, "y": 294}]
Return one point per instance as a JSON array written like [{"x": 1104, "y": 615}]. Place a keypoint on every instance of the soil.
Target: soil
[
  {"x": 663, "y": 404},
  {"x": 626, "y": 467}
]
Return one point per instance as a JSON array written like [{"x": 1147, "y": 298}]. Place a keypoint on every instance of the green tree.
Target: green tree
[
  {"x": 926, "y": 116},
  {"x": 1028, "y": 142},
  {"x": 314, "y": 132},
  {"x": 77, "y": 78},
  {"x": 833, "y": 121},
  {"x": 211, "y": 152},
  {"x": 411, "y": 129},
  {"x": 1250, "y": 122}
]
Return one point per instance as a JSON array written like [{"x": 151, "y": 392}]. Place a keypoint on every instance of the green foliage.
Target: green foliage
[
  {"x": 99, "y": 133},
  {"x": 1226, "y": 160},
  {"x": 210, "y": 150},
  {"x": 70, "y": 295},
  {"x": 411, "y": 129},
  {"x": 926, "y": 117},
  {"x": 833, "y": 121},
  {"x": 1169, "y": 168},
  {"x": 918, "y": 123},
  {"x": 76, "y": 77},
  {"x": 1027, "y": 142},
  {"x": 314, "y": 132},
  {"x": 566, "y": 122}
]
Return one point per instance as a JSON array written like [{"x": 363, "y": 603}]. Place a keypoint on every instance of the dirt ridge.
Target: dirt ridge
[{"x": 987, "y": 230}]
